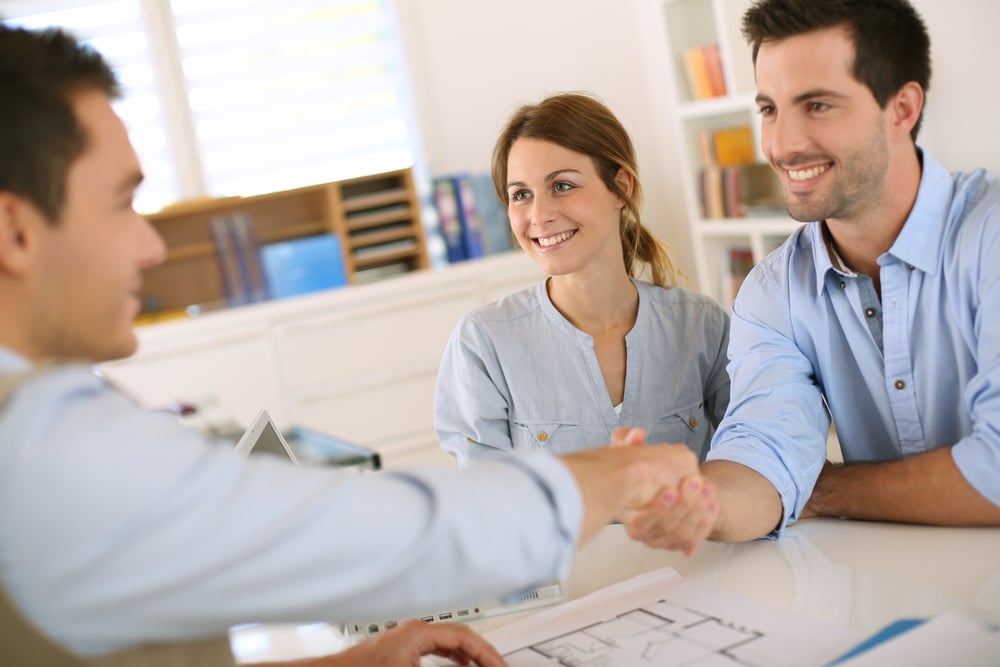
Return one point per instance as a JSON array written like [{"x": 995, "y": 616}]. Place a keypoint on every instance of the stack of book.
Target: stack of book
[
  {"x": 703, "y": 68},
  {"x": 732, "y": 184},
  {"x": 473, "y": 222},
  {"x": 238, "y": 254},
  {"x": 252, "y": 272}
]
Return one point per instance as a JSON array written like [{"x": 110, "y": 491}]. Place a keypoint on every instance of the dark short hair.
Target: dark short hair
[
  {"x": 891, "y": 43},
  {"x": 40, "y": 135}
]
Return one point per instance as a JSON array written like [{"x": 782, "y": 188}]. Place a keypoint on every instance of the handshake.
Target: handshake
[{"x": 656, "y": 492}]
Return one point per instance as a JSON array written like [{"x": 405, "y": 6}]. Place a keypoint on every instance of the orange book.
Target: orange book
[
  {"x": 733, "y": 145},
  {"x": 713, "y": 70},
  {"x": 697, "y": 74}
]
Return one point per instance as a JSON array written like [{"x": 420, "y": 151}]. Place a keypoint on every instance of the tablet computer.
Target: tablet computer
[{"x": 263, "y": 437}]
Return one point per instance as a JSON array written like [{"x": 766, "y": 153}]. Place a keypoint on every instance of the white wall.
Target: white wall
[
  {"x": 961, "y": 121},
  {"x": 474, "y": 61}
]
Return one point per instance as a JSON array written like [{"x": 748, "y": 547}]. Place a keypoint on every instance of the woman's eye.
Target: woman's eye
[
  {"x": 519, "y": 195},
  {"x": 562, "y": 186}
]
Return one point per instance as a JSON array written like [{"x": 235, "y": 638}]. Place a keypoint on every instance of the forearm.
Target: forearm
[
  {"x": 927, "y": 488},
  {"x": 750, "y": 506}
]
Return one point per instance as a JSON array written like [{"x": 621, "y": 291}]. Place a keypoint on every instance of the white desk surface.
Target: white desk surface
[{"x": 851, "y": 573}]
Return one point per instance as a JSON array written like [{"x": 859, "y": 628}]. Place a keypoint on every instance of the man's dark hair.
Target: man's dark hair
[
  {"x": 891, "y": 43},
  {"x": 40, "y": 136}
]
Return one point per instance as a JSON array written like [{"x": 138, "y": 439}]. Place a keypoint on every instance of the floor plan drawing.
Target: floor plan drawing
[
  {"x": 662, "y": 634},
  {"x": 659, "y": 618}
]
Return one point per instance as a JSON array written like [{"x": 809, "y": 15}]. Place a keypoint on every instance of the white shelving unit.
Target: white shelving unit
[{"x": 690, "y": 24}]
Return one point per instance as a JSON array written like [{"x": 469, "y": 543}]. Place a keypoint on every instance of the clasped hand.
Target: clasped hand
[{"x": 679, "y": 516}]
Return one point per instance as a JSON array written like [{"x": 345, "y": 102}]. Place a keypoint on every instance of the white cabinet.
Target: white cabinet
[
  {"x": 688, "y": 25},
  {"x": 359, "y": 363}
]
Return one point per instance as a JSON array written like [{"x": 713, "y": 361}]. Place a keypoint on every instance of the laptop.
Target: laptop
[
  {"x": 263, "y": 437},
  {"x": 540, "y": 596}
]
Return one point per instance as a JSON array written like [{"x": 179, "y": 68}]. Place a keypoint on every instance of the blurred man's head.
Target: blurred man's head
[{"x": 72, "y": 248}]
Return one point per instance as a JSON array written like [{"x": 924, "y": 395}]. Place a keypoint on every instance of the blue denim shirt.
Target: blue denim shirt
[
  {"x": 517, "y": 375},
  {"x": 916, "y": 371}
]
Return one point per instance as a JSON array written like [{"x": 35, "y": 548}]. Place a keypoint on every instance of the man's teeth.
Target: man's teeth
[
  {"x": 552, "y": 240},
  {"x": 806, "y": 174}
]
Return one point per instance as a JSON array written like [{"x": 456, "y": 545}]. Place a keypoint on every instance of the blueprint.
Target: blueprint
[{"x": 661, "y": 619}]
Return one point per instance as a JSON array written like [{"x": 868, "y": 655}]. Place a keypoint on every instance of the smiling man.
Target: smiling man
[{"x": 884, "y": 313}]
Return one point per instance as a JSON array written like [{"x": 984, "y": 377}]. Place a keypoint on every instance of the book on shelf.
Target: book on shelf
[
  {"x": 303, "y": 265},
  {"x": 449, "y": 218},
  {"x": 737, "y": 263},
  {"x": 739, "y": 191},
  {"x": 497, "y": 236},
  {"x": 238, "y": 256},
  {"x": 733, "y": 145},
  {"x": 703, "y": 68},
  {"x": 473, "y": 223},
  {"x": 713, "y": 205}
]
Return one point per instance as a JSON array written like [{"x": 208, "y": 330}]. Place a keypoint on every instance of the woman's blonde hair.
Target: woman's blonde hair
[{"x": 583, "y": 124}]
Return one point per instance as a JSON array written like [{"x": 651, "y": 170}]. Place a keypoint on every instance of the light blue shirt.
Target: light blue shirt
[
  {"x": 119, "y": 526},
  {"x": 916, "y": 371},
  {"x": 517, "y": 375}
]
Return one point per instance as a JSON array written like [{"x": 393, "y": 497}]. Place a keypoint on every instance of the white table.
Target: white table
[{"x": 851, "y": 573}]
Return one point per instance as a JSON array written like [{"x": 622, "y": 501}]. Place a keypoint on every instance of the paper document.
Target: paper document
[{"x": 659, "y": 618}]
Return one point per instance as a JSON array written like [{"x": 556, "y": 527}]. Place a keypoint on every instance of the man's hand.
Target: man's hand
[
  {"x": 677, "y": 518},
  {"x": 634, "y": 483},
  {"x": 403, "y": 646}
]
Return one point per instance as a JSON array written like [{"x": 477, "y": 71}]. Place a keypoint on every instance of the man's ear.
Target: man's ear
[
  {"x": 17, "y": 217},
  {"x": 905, "y": 107}
]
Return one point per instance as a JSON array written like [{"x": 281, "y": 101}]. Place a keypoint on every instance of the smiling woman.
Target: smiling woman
[{"x": 559, "y": 366}]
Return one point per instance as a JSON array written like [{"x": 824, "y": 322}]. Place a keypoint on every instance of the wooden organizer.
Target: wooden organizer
[{"x": 376, "y": 216}]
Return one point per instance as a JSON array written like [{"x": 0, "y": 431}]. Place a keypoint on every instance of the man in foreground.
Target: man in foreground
[{"x": 126, "y": 539}]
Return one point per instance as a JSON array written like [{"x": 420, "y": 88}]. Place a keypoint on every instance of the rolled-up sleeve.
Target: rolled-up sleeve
[
  {"x": 471, "y": 400},
  {"x": 776, "y": 423}
]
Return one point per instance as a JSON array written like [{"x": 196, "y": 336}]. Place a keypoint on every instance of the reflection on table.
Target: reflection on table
[{"x": 849, "y": 573}]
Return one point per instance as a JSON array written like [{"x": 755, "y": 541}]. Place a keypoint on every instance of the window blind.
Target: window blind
[
  {"x": 239, "y": 97},
  {"x": 116, "y": 28}
]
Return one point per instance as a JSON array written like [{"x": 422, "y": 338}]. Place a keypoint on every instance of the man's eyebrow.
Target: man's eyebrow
[
  {"x": 817, "y": 92},
  {"x": 802, "y": 97}
]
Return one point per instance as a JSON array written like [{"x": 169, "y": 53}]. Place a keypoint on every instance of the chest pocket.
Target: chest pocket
[
  {"x": 689, "y": 426},
  {"x": 554, "y": 436}
]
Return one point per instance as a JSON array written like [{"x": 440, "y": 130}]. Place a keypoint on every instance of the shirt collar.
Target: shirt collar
[{"x": 919, "y": 241}]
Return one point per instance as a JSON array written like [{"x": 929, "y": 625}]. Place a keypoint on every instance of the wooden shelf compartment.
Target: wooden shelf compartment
[{"x": 366, "y": 212}]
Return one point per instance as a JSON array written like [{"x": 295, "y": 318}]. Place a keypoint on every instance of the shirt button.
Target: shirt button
[
  {"x": 542, "y": 436},
  {"x": 869, "y": 312},
  {"x": 899, "y": 384},
  {"x": 693, "y": 423},
  {"x": 842, "y": 284}
]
